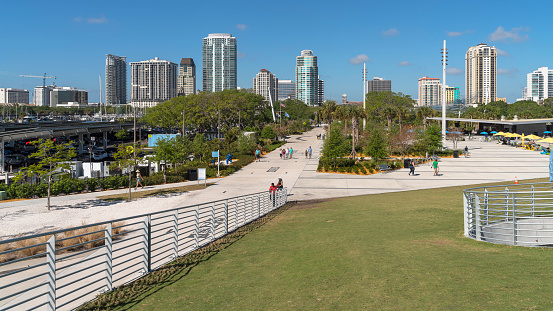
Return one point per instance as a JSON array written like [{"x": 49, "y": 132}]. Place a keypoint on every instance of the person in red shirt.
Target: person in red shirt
[{"x": 272, "y": 192}]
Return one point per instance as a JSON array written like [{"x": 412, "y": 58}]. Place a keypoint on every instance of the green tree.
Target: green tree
[
  {"x": 430, "y": 140},
  {"x": 268, "y": 132},
  {"x": 376, "y": 148},
  {"x": 121, "y": 134},
  {"x": 53, "y": 159},
  {"x": 166, "y": 152},
  {"x": 334, "y": 145},
  {"x": 127, "y": 157}
]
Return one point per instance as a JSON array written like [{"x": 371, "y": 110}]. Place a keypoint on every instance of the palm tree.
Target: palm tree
[
  {"x": 327, "y": 110},
  {"x": 341, "y": 113},
  {"x": 389, "y": 112},
  {"x": 355, "y": 113},
  {"x": 425, "y": 112}
]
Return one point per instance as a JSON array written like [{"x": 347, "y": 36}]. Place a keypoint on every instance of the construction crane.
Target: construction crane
[{"x": 43, "y": 78}]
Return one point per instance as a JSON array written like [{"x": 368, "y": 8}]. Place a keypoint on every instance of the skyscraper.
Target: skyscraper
[
  {"x": 480, "y": 74},
  {"x": 116, "y": 80},
  {"x": 430, "y": 92},
  {"x": 307, "y": 78},
  {"x": 152, "y": 82},
  {"x": 186, "y": 80},
  {"x": 321, "y": 92},
  {"x": 539, "y": 84},
  {"x": 14, "y": 96},
  {"x": 219, "y": 62},
  {"x": 286, "y": 89},
  {"x": 451, "y": 94},
  {"x": 379, "y": 85},
  {"x": 266, "y": 83}
]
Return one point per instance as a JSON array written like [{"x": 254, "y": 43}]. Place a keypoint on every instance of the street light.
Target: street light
[
  {"x": 364, "y": 93},
  {"x": 444, "y": 64}
]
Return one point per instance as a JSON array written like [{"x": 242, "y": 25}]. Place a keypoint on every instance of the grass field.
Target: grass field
[{"x": 395, "y": 251}]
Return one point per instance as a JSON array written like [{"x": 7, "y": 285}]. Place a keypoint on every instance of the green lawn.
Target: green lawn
[{"x": 396, "y": 251}]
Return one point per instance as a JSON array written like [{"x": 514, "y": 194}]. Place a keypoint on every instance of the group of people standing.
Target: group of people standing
[
  {"x": 286, "y": 153},
  {"x": 308, "y": 152}
]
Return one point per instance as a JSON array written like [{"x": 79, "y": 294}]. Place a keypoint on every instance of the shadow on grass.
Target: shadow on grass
[{"x": 127, "y": 296}]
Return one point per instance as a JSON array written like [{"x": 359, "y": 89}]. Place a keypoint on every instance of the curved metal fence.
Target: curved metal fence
[
  {"x": 514, "y": 215},
  {"x": 60, "y": 270}
]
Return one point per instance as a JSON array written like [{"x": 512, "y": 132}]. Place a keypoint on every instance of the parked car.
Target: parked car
[{"x": 99, "y": 155}]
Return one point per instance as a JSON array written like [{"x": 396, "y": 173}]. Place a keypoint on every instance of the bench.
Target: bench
[{"x": 384, "y": 167}]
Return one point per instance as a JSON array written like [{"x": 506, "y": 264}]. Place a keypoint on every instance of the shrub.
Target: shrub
[
  {"x": 363, "y": 170},
  {"x": 356, "y": 169}
]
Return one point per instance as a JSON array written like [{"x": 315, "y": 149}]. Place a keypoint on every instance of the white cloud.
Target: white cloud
[
  {"x": 404, "y": 63},
  {"x": 241, "y": 55},
  {"x": 514, "y": 35},
  {"x": 456, "y": 33},
  {"x": 501, "y": 52},
  {"x": 454, "y": 71},
  {"x": 507, "y": 72},
  {"x": 361, "y": 58},
  {"x": 390, "y": 32},
  {"x": 242, "y": 26},
  {"x": 101, "y": 20}
]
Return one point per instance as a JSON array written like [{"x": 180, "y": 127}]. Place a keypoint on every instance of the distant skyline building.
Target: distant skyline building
[
  {"x": 42, "y": 96},
  {"x": 430, "y": 91},
  {"x": 344, "y": 99},
  {"x": 219, "y": 60},
  {"x": 379, "y": 85},
  {"x": 14, "y": 96},
  {"x": 265, "y": 83},
  {"x": 539, "y": 84},
  {"x": 68, "y": 97},
  {"x": 481, "y": 74},
  {"x": 186, "y": 80},
  {"x": 307, "y": 78},
  {"x": 286, "y": 89},
  {"x": 152, "y": 82},
  {"x": 116, "y": 80},
  {"x": 452, "y": 94},
  {"x": 321, "y": 91}
]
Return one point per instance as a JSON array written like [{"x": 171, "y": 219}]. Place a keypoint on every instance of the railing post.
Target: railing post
[
  {"x": 533, "y": 201},
  {"x": 244, "y": 208},
  {"x": 175, "y": 233},
  {"x": 514, "y": 220},
  {"x": 478, "y": 223},
  {"x": 487, "y": 207},
  {"x": 252, "y": 217},
  {"x": 213, "y": 221},
  {"x": 258, "y": 207},
  {"x": 51, "y": 272},
  {"x": 465, "y": 215},
  {"x": 109, "y": 257},
  {"x": 506, "y": 204},
  {"x": 226, "y": 217},
  {"x": 235, "y": 214},
  {"x": 147, "y": 238},
  {"x": 196, "y": 226}
]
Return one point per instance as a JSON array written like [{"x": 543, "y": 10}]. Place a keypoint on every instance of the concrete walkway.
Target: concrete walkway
[{"x": 488, "y": 162}]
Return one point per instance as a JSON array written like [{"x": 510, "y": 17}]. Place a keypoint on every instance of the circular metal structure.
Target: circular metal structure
[{"x": 514, "y": 215}]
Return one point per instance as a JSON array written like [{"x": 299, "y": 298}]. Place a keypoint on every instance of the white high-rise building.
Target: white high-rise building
[
  {"x": 152, "y": 82},
  {"x": 307, "y": 78},
  {"x": 266, "y": 83},
  {"x": 219, "y": 57},
  {"x": 430, "y": 92},
  {"x": 42, "y": 96},
  {"x": 14, "y": 96},
  {"x": 539, "y": 84},
  {"x": 116, "y": 80},
  {"x": 481, "y": 74}
]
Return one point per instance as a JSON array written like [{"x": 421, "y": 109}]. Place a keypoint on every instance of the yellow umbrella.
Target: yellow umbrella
[
  {"x": 499, "y": 134},
  {"x": 512, "y": 135},
  {"x": 532, "y": 136},
  {"x": 547, "y": 140}
]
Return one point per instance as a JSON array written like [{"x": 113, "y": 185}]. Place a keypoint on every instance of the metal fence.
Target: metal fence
[
  {"x": 514, "y": 215},
  {"x": 60, "y": 270}
]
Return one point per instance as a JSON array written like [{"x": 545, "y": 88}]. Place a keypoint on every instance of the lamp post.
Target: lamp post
[
  {"x": 444, "y": 64},
  {"x": 364, "y": 93}
]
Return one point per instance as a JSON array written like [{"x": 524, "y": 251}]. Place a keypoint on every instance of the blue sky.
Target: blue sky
[{"x": 399, "y": 40}]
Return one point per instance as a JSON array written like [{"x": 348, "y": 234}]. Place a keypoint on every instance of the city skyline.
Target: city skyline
[{"x": 400, "y": 47}]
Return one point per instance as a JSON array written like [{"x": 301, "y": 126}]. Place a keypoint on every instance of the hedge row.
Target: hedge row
[{"x": 343, "y": 165}]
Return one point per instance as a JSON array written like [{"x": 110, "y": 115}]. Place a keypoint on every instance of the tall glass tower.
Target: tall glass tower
[
  {"x": 116, "y": 80},
  {"x": 219, "y": 62},
  {"x": 307, "y": 78}
]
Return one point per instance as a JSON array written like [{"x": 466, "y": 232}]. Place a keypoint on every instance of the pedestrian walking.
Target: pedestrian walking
[
  {"x": 272, "y": 192},
  {"x": 306, "y": 152},
  {"x": 412, "y": 167},
  {"x": 286, "y": 153},
  {"x": 138, "y": 180},
  {"x": 466, "y": 152},
  {"x": 310, "y": 151},
  {"x": 258, "y": 155},
  {"x": 436, "y": 167},
  {"x": 291, "y": 152}
]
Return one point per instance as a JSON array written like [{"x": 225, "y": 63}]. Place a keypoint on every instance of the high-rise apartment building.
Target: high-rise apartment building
[
  {"x": 430, "y": 92},
  {"x": 219, "y": 62},
  {"x": 265, "y": 83},
  {"x": 539, "y": 84},
  {"x": 152, "y": 82},
  {"x": 321, "y": 92},
  {"x": 116, "y": 80},
  {"x": 480, "y": 74},
  {"x": 42, "y": 95},
  {"x": 307, "y": 78},
  {"x": 186, "y": 80},
  {"x": 379, "y": 85},
  {"x": 451, "y": 94},
  {"x": 14, "y": 96},
  {"x": 344, "y": 99},
  {"x": 286, "y": 89}
]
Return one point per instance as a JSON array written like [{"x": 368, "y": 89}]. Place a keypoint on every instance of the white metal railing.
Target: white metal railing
[
  {"x": 60, "y": 270},
  {"x": 515, "y": 214}
]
